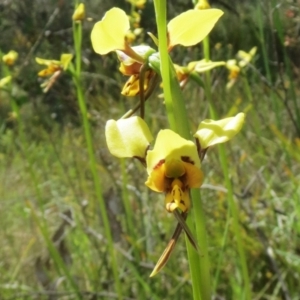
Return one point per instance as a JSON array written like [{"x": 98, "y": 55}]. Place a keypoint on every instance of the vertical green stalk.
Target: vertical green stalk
[
  {"x": 176, "y": 110},
  {"x": 231, "y": 202},
  {"x": 77, "y": 33}
]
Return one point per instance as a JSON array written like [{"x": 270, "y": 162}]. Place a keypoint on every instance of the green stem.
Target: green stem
[
  {"x": 77, "y": 32},
  {"x": 231, "y": 202},
  {"x": 179, "y": 122}
]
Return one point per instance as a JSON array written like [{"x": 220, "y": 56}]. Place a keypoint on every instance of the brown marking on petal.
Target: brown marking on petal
[
  {"x": 162, "y": 161},
  {"x": 187, "y": 159}
]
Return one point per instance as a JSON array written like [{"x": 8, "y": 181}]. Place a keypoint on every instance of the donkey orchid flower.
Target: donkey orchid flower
[
  {"x": 234, "y": 66},
  {"x": 54, "y": 65},
  {"x": 54, "y": 69},
  {"x": 10, "y": 58},
  {"x": 183, "y": 72},
  {"x": 104, "y": 40},
  {"x": 246, "y": 57},
  {"x": 173, "y": 166}
]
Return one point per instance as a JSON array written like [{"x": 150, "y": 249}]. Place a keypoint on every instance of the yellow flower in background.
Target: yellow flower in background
[
  {"x": 140, "y": 4},
  {"x": 234, "y": 66},
  {"x": 111, "y": 34},
  {"x": 4, "y": 81},
  {"x": 53, "y": 70},
  {"x": 54, "y": 65},
  {"x": 10, "y": 58},
  {"x": 234, "y": 71},
  {"x": 173, "y": 166},
  {"x": 79, "y": 13},
  {"x": 201, "y": 66},
  {"x": 246, "y": 57},
  {"x": 202, "y": 4}
]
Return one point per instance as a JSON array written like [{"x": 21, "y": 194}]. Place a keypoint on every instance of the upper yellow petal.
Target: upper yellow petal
[
  {"x": 246, "y": 57},
  {"x": 65, "y": 60},
  {"x": 109, "y": 33},
  {"x": 128, "y": 137},
  {"x": 170, "y": 145},
  {"x": 192, "y": 26},
  {"x": 204, "y": 65},
  {"x": 212, "y": 132},
  {"x": 47, "y": 62},
  {"x": 79, "y": 13}
]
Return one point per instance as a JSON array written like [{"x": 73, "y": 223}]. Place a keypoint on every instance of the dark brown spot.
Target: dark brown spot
[
  {"x": 187, "y": 160},
  {"x": 159, "y": 164}
]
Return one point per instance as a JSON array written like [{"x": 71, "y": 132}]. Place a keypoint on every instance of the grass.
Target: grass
[{"x": 52, "y": 238}]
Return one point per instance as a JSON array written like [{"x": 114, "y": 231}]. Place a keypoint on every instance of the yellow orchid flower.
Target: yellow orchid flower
[
  {"x": 79, "y": 13},
  {"x": 173, "y": 166},
  {"x": 128, "y": 65},
  {"x": 234, "y": 71},
  {"x": 54, "y": 65},
  {"x": 54, "y": 69},
  {"x": 197, "y": 25},
  {"x": 104, "y": 40},
  {"x": 201, "y": 66},
  {"x": 235, "y": 66},
  {"x": 10, "y": 58},
  {"x": 245, "y": 57}
]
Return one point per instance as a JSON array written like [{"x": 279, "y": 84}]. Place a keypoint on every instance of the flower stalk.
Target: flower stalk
[
  {"x": 199, "y": 266},
  {"x": 231, "y": 202},
  {"x": 77, "y": 34}
]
